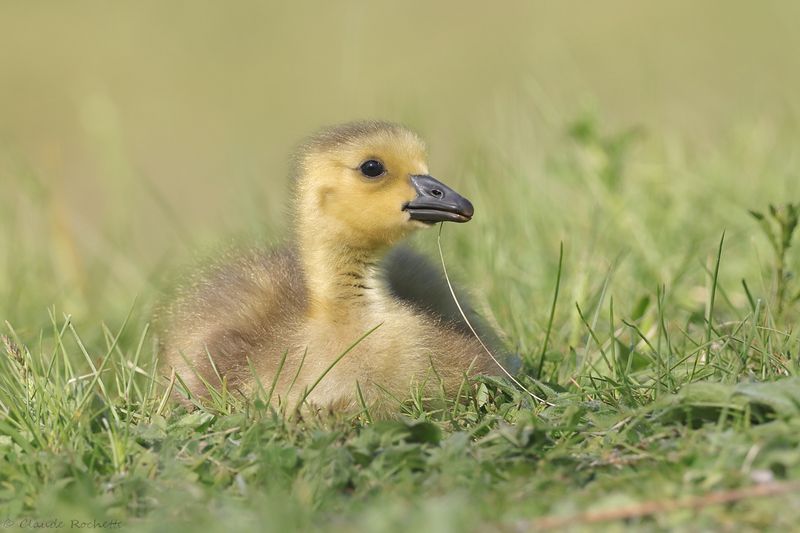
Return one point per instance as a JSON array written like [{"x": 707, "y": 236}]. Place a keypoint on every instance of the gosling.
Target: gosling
[{"x": 284, "y": 318}]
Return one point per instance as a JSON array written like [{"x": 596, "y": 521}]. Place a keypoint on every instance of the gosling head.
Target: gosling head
[{"x": 366, "y": 185}]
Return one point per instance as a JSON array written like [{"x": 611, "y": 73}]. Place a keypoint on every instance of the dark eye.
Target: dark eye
[{"x": 371, "y": 168}]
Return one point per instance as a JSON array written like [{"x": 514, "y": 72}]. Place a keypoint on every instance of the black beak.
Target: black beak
[{"x": 436, "y": 202}]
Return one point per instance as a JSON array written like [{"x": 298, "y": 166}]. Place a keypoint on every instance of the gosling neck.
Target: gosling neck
[{"x": 340, "y": 278}]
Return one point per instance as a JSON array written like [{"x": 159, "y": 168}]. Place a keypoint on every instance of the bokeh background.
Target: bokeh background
[{"x": 134, "y": 136}]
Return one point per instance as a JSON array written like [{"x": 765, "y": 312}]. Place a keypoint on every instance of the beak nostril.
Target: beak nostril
[{"x": 436, "y": 202}]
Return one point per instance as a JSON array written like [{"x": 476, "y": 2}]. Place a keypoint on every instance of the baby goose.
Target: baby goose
[{"x": 359, "y": 189}]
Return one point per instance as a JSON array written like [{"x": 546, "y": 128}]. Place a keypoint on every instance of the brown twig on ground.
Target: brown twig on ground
[{"x": 656, "y": 507}]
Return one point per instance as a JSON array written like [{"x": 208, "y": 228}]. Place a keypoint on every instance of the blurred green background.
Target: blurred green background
[
  {"x": 134, "y": 134},
  {"x": 138, "y": 136}
]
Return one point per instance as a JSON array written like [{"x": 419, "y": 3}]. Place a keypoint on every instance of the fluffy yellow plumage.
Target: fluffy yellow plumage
[{"x": 359, "y": 189}]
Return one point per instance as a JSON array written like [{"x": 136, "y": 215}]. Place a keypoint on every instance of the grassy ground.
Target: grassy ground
[
  {"x": 664, "y": 339},
  {"x": 674, "y": 392}
]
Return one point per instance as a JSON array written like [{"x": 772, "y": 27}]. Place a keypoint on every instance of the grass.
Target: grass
[
  {"x": 636, "y": 185},
  {"x": 661, "y": 332}
]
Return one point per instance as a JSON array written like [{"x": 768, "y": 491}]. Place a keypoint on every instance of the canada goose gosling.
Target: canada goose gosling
[{"x": 358, "y": 190}]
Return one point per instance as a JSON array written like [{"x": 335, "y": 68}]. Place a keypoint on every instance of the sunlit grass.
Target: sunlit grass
[{"x": 665, "y": 353}]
